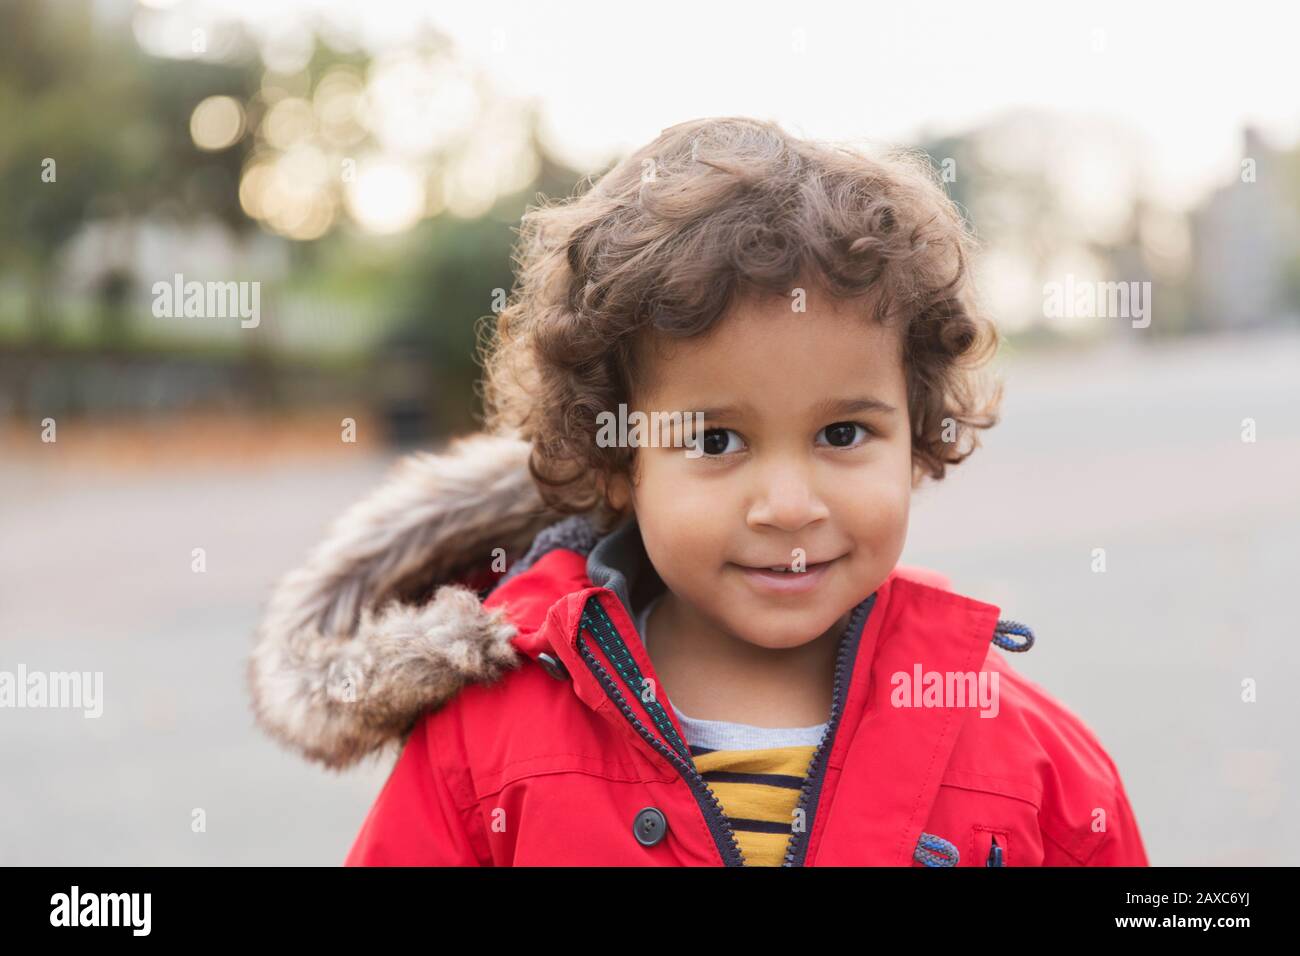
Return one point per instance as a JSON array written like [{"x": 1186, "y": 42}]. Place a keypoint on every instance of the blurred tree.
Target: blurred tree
[
  {"x": 114, "y": 122},
  {"x": 460, "y": 271},
  {"x": 95, "y": 128}
]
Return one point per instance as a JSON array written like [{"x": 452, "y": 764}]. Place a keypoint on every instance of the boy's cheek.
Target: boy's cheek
[
  {"x": 879, "y": 508},
  {"x": 882, "y": 530}
]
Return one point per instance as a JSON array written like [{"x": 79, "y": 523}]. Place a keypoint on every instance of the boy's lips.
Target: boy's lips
[{"x": 785, "y": 582}]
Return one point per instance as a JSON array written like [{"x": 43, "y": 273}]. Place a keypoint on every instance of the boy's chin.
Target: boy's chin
[{"x": 794, "y": 633}]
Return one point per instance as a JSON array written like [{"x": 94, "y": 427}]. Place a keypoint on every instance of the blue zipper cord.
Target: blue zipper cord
[
  {"x": 1005, "y": 628},
  {"x": 932, "y": 850}
]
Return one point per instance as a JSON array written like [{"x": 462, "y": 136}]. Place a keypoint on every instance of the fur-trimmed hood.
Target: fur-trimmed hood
[{"x": 383, "y": 620}]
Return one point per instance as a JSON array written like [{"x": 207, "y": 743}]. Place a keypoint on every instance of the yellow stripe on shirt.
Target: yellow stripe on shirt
[{"x": 759, "y": 791}]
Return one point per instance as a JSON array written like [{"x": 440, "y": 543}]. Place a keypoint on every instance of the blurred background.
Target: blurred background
[{"x": 367, "y": 165}]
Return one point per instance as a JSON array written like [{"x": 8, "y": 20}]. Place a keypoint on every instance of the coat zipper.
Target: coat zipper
[
  {"x": 720, "y": 828},
  {"x": 810, "y": 794}
]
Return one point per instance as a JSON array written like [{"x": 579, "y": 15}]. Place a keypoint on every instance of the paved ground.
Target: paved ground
[{"x": 1135, "y": 452}]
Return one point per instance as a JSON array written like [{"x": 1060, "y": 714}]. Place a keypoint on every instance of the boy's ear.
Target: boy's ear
[
  {"x": 918, "y": 473},
  {"x": 617, "y": 491}
]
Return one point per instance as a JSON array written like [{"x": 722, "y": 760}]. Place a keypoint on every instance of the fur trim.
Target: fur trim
[{"x": 351, "y": 650}]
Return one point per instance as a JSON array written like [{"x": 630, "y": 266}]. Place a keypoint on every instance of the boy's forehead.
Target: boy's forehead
[{"x": 763, "y": 341}]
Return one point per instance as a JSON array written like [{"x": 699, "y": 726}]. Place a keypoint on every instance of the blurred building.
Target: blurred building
[{"x": 1244, "y": 241}]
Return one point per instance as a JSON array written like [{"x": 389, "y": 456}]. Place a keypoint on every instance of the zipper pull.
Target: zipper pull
[{"x": 995, "y": 854}]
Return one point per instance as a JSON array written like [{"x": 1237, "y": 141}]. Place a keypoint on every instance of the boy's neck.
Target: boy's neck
[{"x": 711, "y": 674}]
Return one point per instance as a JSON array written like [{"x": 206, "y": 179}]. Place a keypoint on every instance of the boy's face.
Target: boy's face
[{"x": 784, "y": 470}]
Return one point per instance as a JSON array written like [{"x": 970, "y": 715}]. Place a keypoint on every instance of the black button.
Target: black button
[
  {"x": 553, "y": 666},
  {"x": 650, "y": 826}
]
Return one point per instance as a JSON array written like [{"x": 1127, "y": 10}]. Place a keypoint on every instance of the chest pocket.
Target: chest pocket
[{"x": 989, "y": 824}]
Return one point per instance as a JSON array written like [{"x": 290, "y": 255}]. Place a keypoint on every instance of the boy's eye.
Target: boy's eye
[
  {"x": 711, "y": 444},
  {"x": 844, "y": 434}
]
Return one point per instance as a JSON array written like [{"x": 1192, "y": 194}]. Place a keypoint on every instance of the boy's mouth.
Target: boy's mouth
[
  {"x": 786, "y": 568},
  {"x": 781, "y": 579}
]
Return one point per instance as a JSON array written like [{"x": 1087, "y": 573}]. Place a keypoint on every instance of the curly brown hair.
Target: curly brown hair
[{"x": 662, "y": 244}]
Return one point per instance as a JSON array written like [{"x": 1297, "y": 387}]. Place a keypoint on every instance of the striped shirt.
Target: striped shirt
[{"x": 755, "y": 772}]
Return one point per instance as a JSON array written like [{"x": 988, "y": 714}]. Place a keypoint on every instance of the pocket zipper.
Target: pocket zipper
[{"x": 995, "y": 854}]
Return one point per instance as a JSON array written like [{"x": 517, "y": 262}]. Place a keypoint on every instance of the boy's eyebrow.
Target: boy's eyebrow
[
  {"x": 847, "y": 406},
  {"x": 720, "y": 411},
  {"x": 829, "y": 406}
]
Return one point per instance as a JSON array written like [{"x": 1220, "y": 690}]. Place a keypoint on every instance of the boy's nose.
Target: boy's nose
[{"x": 786, "y": 499}]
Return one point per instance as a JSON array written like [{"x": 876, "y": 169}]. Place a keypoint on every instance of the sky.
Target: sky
[{"x": 610, "y": 76}]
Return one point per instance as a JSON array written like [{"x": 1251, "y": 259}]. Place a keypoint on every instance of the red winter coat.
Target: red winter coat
[{"x": 525, "y": 740}]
